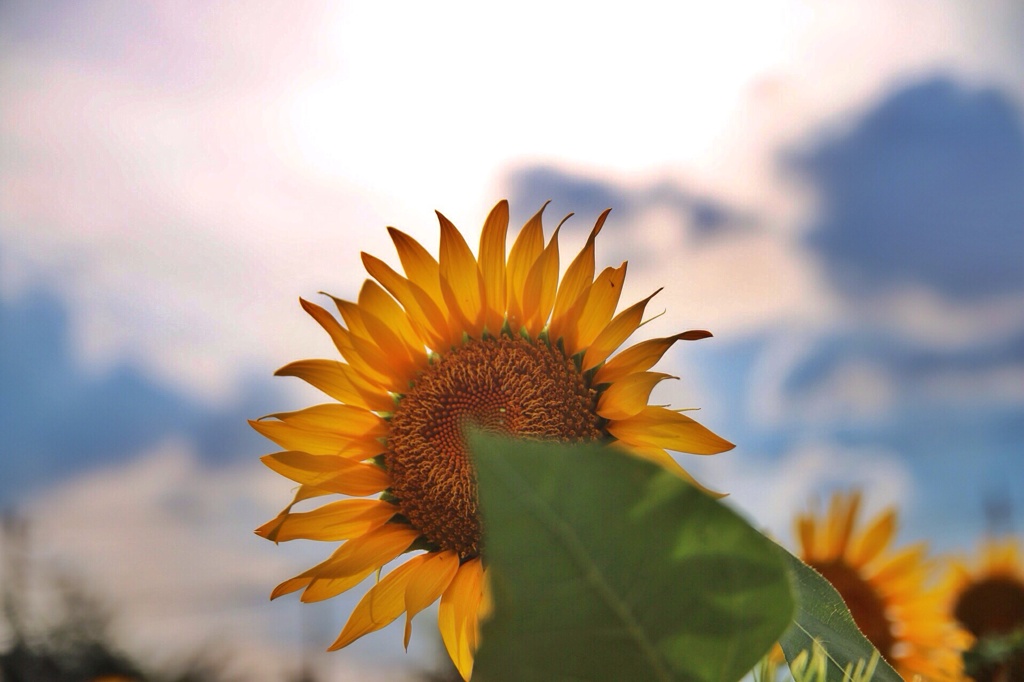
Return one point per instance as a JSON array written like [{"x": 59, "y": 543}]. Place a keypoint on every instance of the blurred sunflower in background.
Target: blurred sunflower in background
[
  {"x": 488, "y": 341},
  {"x": 887, "y": 590},
  {"x": 986, "y": 597}
]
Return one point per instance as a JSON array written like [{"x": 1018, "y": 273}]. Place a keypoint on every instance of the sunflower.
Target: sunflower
[
  {"x": 986, "y": 596},
  {"x": 494, "y": 342},
  {"x": 887, "y": 590}
]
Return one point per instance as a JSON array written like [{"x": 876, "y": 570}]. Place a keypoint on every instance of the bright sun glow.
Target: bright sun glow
[{"x": 382, "y": 97}]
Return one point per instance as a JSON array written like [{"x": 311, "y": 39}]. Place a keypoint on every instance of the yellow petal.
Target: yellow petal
[
  {"x": 538, "y": 295},
  {"x": 320, "y": 589},
  {"x": 617, "y": 331},
  {"x": 327, "y": 321},
  {"x": 345, "y": 440},
  {"x": 290, "y": 585},
  {"x": 339, "y": 381},
  {"x": 574, "y": 287},
  {"x": 841, "y": 524},
  {"x": 382, "y": 604},
  {"x": 338, "y": 520},
  {"x": 345, "y": 420},
  {"x": 430, "y": 321},
  {"x": 344, "y": 341},
  {"x": 420, "y": 267},
  {"x": 424, "y": 275},
  {"x": 492, "y": 266},
  {"x": 306, "y": 578},
  {"x": 303, "y": 492},
  {"x": 351, "y": 316},
  {"x": 381, "y": 305},
  {"x": 400, "y": 359},
  {"x": 356, "y": 559},
  {"x": 628, "y": 396},
  {"x": 642, "y": 356},
  {"x": 526, "y": 249},
  {"x": 664, "y": 428},
  {"x": 373, "y": 364},
  {"x": 329, "y": 472},
  {"x": 427, "y": 585},
  {"x": 602, "y": 299},
  {"x": 360, "y": 449},
  {"x": 904, "y": 564},
  {"x": 805, "y": 532},
  {"x": 457, "y": 615},
  {"x": 461, "y": 284},
  {"x": 1000, "y": 557},
  {"x": 667, "y": 462},
  {"x": 293, "y": 438}
]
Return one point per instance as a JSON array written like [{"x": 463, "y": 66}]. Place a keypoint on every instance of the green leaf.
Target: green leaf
[
  {"x": 994, "y": 651},
  {"x": 604, "y": 566},
  {"x": 821, "y": 614}
]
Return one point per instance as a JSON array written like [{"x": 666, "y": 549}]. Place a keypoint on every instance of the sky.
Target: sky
[{"x": 832, "y": 188}]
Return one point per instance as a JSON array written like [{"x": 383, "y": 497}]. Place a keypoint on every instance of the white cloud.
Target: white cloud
[
  {"x": 733, "y": 284},
  {"x": 918, "y": 315},
  {"x": 1002, "y": 385},
  {"x": 856, "y": 390}
]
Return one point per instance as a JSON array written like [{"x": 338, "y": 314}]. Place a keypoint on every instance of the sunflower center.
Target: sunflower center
[
  {"x": 505, "y": 385},
  {"x": 866, "y": 606},
  {"x": 993, "y": 605}
]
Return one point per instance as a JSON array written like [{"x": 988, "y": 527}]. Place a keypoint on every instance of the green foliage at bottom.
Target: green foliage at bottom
[
  {"x": 822, "y": 618},
  {"x": 996, "y": 657}
]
